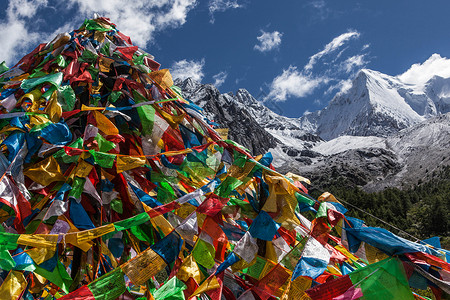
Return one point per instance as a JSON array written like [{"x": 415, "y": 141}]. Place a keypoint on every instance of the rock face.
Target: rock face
[
  {"x": 380, "y": 133},
  {"x": 229, "y": 111}
]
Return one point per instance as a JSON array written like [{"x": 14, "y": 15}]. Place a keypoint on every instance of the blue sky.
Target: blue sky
[{"x": 294, "y": 55}]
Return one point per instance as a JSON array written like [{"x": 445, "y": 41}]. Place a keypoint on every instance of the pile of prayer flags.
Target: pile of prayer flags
[{"x": 113, "y": 186}]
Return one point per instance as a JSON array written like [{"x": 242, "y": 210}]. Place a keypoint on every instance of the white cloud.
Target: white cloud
[
  {"x": 335, "y": 44},
  {"x": 188, "y": 69},
  {"x": 421, "y": 73},
  {"x": 301, "y": 83},
  {"x": 220, "y": 78},
  {"x": 354, "y": 62},
  {"x": 220, "y": 6},
  {"x": 268, "y": 41},
  {"x": 293, "y": 83},
  {"x": 139, "y": 18},
  {"x": 15, "y": 36}
]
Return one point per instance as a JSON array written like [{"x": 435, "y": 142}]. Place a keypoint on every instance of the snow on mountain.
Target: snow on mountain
[
  {"x": 344, "y": 143},
  {"x": 380, "y": 105}
]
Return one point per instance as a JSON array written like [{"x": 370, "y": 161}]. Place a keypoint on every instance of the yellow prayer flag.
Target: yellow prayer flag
[
  {"x": 33, "y": 95},
  {"x": 223, "y": 133},
  {"x": 298, "y": 288},
  {"x": 161, "y": 223},
  {"x": 104, "y": 63},
  {"x": 327, "y": 197},
  {"x": 296, "y": 177},
  {"x": 144, "y": 266},
  {"x": 45, "y": 172},
  {"x": 208, "y": 285},
  {"x": 38, "y": 120},
  {"x": 71, "y": 236},
  {"x": 39, "y": 255},
  {"x": 89, "y": 108},
  {"x": 125, "y": 163},
  {"x": 53, "y": 109},
  {"x": 107, "y": 252},
  {"x": 270, "y": 252},
  {"x": 88, "y": 235},
  {"x": 188, "y": 269},
  {"x": 171, "y": 119},
  {"x": 344, "y": 251},
  {"x": 333, "y": 270},
  {"x": 162, "y": 77},
  {"x": 82, "y": 169},
  {"x": 39, "y": 240},
  {"x": 13, "y": 286}
]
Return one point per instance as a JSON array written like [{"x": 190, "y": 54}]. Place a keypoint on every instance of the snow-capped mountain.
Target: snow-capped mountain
[
  {"x": 374, "y": 134},
  {"x": 380, "y": 105}
]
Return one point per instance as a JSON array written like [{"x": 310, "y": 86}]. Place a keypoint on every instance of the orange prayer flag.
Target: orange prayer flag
[{"x": 104, "y": 124}]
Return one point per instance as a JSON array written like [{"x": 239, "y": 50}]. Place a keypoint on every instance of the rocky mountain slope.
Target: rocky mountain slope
[{"x": 379, "y": 133}]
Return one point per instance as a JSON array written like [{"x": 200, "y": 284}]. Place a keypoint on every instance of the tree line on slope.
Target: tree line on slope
[{"x": 422, "y": 211}]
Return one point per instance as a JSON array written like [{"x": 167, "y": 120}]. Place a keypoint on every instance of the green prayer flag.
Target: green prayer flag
[
  {"x": 385, "y": 279},
  {"x": 176, "y": 89},
  {"x": 55, "y": 79},
  {"x": 3, "y": 67},
  {"x": 103, "y": 144},
  {"x": 6, "y": 260},
  {"x": 104, "y": 160},
  {"x": 61, "y": 61},
  {"x": 49, "y": 93},
  {"x": 138, "y": 97},
  {"x": 8, "y": 241},
  {"x": 58, "y": 276},
  {"x": 140, "y": 59},
  {"x": 67, "y": 158},
  {"x": 147, "y": 116},
  {"x": 166, "y": 193},
  {"x": 88, "y": 56},
  {"x": 109, "y": 286},
  {"x": 37, "y": 73},
  {"x": 227, "y": 186},
  {"x": 66, "y": 97},
  {"x": 302, "y": 198},
  {"x": 131, "y": 222},
  {"x": 114, "y": 96},
  {"x": 77, "y": 187},
  {"x": 256, "y": 269},
  {"x": 239, "y": 159},
  {"x": 172, "y": 289},
  {"x": 204, "y": 253},
  {"x": 322, "y": 211},
  {"x": 117, "y": 206},
  {"x": 93, "y": 25},
  {"x": 140, "y": 234},
  {"x": 246, "y": 208},
  {"x": 291, "y": 259}
]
